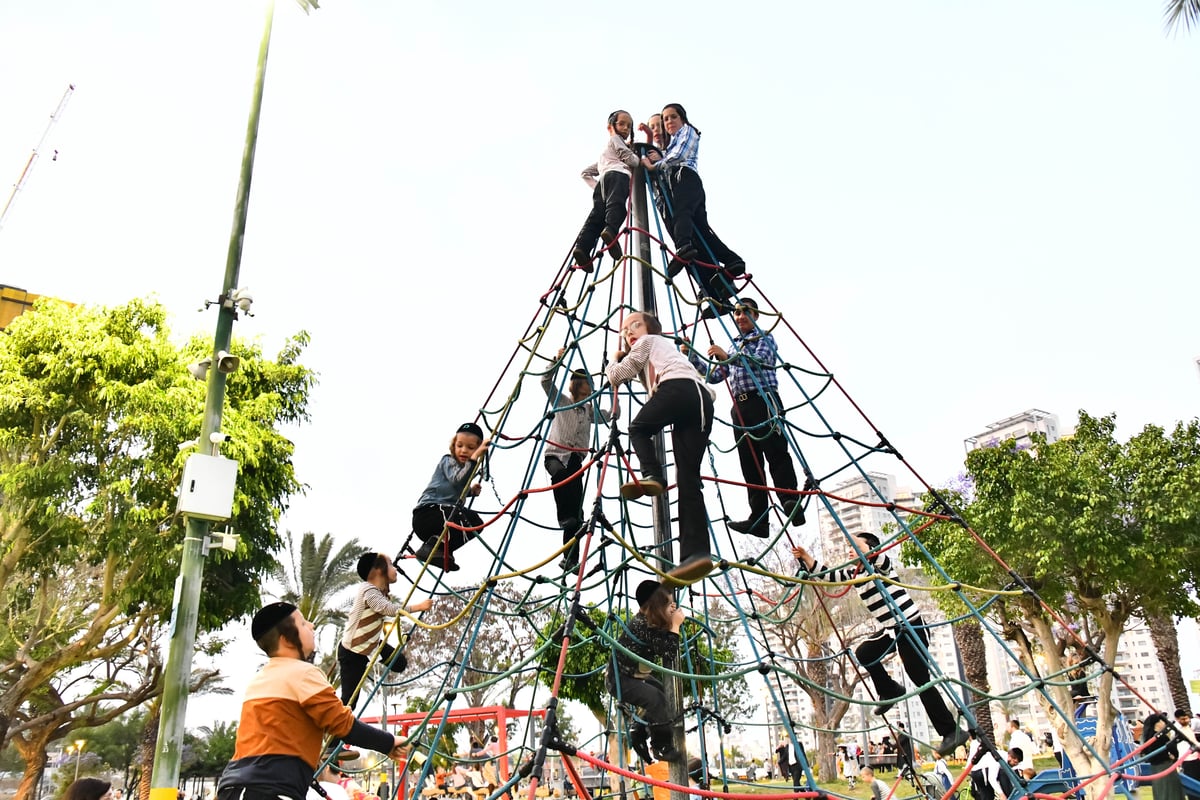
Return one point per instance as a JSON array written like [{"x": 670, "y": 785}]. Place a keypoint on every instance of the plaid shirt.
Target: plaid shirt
[
  {"x": 683, "y": 150},
  {"x": 751, "y": 367}
]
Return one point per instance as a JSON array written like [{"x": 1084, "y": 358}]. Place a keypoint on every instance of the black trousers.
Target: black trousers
[
  {"x": 608, "y": 208},
  {"x": 759, "y": 439},
  {"x": 872, "y": 652},
  {"x": 651, "y": 698},
  {"x": 687, "y": 406},
  {"x": 352, "y": 666},
  {"x": 568, "y": 498},
  {"x": 428, "y": 521},
  {"x": 689, "y": 222}
]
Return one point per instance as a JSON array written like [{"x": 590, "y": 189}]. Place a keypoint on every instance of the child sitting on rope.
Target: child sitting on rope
[
  {"x": 652, "y": 633},
  {"x": 441, "y": 502},
  {"x": 901, "y": 629},
  {"x": 679, "y": 398},
  {"x": 609, "y": 178},
  {"x": 372, "y": 608}
]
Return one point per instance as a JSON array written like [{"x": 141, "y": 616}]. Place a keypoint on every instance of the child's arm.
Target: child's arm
[
  {"x": 589, "y": 175},
  {"x": 558, "y": 398}
]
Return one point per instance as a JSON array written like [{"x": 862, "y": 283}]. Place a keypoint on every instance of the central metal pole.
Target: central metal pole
[{"x": 662, "y": 504}]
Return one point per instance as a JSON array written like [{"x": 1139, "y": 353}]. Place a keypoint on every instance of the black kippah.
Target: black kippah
[
  {"x": 645, "y": 591},
  {"x": 471, "y": 428},
  {"x": 268, "y": 617}
]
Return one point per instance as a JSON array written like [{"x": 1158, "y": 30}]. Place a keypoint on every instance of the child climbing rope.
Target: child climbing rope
[
  {"x": 566, "y": 445},
  {"x": 688, "y": 204},
  {"x": 609, "y": 178},
  {"x": 679, "y": 398},
  {"x": 904, "y": 633},
  {"x": 653, "y": 632},
  {"x": 439, "y": 503},
  {"x": 372, "y": 608},
  {"x": 750, "y": 367}
]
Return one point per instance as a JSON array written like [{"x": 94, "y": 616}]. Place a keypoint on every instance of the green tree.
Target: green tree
[
  {"x": 117, "y": 743},
  {"x": 1182, "y": 14},
  {"x": 315, "y": 575},
  {"x": 94, "y": 403},
  {"x": 1102, "y": 530}
]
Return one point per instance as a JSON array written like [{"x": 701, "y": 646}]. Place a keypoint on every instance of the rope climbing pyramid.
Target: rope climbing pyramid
[{"x": 594, "y": 592}]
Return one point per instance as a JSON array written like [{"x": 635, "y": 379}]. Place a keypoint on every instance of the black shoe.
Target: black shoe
[
  {"x": 582, "y": 258},
  {"x": 639, "y": 738},
  {"x": 682, "y": 258},
  {"x": 761, "y": 528},
  {"x": 614, "y": 247},
  {"x": 794, "y": 512},
  {"x": 952, "y": 741},
  {"x": 736, "y": 268},
  {"x": 714, "y": 308},
  {"x": 425, "y": 551},
  {"x": 882, "y": 709},
  {"x": 669, "y": 753}
]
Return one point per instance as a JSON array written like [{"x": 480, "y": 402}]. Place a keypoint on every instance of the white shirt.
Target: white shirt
[
  {"x": 1020, "y": 739},
  {"x": 334, "y": 791}
]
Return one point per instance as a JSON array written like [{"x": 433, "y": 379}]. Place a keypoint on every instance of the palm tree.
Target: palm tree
[
  {"x": 316, "y": 575},
  {"x": 1185, "y": 13}
]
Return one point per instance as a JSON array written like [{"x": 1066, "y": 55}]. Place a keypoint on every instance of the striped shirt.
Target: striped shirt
[
  {"x": 657, "y": 353},
  {"x": 371, "y": 609},
  {"x": 751, "y": 365},
  {"x": 571, "y": 430},
  {"x": 683, "y": 150},
  {"x": 883, "y": 609}
]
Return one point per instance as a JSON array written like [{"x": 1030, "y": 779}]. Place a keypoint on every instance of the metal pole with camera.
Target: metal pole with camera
[{"x": 207, "y": 491}]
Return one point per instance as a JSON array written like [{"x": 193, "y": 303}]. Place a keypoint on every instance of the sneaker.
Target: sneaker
[
  {"x": 794, "y": 511},
  {"x": 761, "y": 528},
  {"x": 639, "y": 738},
  {"x": 882, "y": 709},
  {"x": 646, "y": 487},
  {"x": 582, "y": 258},
  {"x": 691, "y": 570},
  {"x": 952, "y": 741},
  {"x": 425, "y": 551},
  {"x": 614, "y": 247}
]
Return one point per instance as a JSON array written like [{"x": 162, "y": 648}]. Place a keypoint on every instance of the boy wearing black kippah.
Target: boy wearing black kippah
[
  {"x": 439, "y": 503},
  {"x": 371, "y": 610}
]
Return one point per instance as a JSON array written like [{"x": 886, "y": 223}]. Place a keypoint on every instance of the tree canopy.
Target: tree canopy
[{"x": 94, "y": 404}]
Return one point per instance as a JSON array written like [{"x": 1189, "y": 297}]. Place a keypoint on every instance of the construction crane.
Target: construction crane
[{"x": 33, "y": 157}]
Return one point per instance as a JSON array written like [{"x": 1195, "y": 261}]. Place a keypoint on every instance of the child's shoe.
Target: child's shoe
[
  {"x": 582, "y": 258},
  {"x": 646, "y": 487},
  {"x": 614, "y": 247}
]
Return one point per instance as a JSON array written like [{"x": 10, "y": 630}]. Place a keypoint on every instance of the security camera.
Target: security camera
[
  {"x": 243, "y": 300},
  {"x": 216, "y": 437},
  {"x": 199, "y": 370},
  {"x": 227, "y": 363},
  {"x": 188, "y": 445}
]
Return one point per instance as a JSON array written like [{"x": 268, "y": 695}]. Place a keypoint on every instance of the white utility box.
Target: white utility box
[{"x": 207, "y": 488}]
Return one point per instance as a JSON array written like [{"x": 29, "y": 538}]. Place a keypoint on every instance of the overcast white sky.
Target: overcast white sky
[{"x": 966, "y": 209}]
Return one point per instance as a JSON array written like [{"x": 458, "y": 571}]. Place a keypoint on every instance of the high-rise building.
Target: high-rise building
[{"x": 1018, "y": 426}]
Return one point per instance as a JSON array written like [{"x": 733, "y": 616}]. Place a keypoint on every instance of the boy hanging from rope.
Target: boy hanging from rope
[{"x": 901, "y": 628}]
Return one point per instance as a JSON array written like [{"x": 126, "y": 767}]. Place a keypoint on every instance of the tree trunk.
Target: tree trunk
[
  {"x": 32, "y": 747},
  {"x": 146, "y": 748},
  {"x": 968, "y": 636},
  {"x": 1166, "y": 641}
]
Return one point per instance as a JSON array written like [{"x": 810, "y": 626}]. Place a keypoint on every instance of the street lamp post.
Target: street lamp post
[{"x": 79, "y": 743}]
